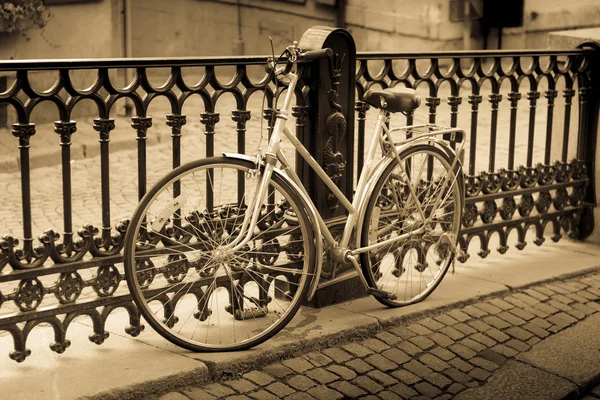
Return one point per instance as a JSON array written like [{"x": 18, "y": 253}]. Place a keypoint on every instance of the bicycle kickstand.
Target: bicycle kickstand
[{"x": 382, "y": 294}]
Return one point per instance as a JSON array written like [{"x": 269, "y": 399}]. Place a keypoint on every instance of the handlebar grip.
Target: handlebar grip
[{"x": 316, "y": 54}]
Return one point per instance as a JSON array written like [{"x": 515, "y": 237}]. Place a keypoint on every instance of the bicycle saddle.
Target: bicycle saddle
[{"x": 397, "y": 99}]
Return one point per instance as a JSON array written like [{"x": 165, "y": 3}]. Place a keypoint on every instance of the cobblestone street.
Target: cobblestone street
[{"x": 462, "y": 353}]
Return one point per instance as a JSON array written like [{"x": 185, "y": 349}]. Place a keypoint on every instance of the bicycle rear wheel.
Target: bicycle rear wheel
[
  {"x": 412, "y": 268},
  {"x": 192, "y": 291}
]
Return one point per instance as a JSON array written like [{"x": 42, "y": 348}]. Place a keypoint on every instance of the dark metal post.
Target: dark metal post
[
  {"x": 589, "y": 107},
  {"x": 331, "y": 128},
  {"x": 329, "y": 136}
]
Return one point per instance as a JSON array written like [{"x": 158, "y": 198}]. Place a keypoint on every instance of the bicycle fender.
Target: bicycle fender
[{"x": 310, "y": 210}]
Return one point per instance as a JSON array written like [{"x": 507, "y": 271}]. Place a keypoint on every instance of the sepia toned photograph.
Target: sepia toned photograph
[{"x": 299, "y": 199}]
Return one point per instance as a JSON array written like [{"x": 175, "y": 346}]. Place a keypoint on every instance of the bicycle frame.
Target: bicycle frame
[{"x": 340, "y": 251}]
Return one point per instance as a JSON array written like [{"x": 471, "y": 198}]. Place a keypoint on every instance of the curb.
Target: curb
[{"x": 219, "y": 371}]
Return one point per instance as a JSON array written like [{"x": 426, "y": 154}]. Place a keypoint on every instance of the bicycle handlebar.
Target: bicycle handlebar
[{"x": 315, "y": 55}]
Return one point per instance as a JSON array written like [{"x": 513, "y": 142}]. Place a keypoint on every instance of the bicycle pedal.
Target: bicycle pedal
[
  {"x": 251, "y": 313},
  {"x": 382, "y": 294}
]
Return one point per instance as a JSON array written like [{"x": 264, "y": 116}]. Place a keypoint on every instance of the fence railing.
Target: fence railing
[{"x": 58, "y": 277}]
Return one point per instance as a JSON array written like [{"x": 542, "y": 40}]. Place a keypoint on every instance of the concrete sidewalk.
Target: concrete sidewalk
[{"x": 148, "y": 366}]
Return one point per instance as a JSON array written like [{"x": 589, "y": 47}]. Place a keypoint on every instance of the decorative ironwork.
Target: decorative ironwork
[{"x": 85, "y": 263}]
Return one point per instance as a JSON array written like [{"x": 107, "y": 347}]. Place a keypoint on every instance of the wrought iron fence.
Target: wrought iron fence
[{"x": 81, "y": 269}]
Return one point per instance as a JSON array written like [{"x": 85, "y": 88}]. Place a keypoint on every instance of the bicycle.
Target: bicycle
[{"x": 220, "y": 253}]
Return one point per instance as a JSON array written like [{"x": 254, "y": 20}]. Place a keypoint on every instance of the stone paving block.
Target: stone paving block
[
  {"x": 536, "y": 294},
  {"x": 318, "y": 359},
  {"x": 375, "y": 344},
  {"x": 279, "y": 389},
  {"x": 427, "y": 389},
  {"x": 506, "y": 351},
  {"x": 301, "y": 382},
  {"x": 577, "y": 298},
  {"x": 422, "y": 342},
  {"x": 445, "y": 319},
  {"x": 433, "y": 362},
  {"x": 409, "y": 348},
  {"x": 402, "y": 332},
  {"x": 559, "y": 305},
  {"x": 343, "y": 372},
  {"x": 455, "y": 388},
  {"x": 519, "y": 333},
  {"x": 348, "y": 389},
  {"x": 240, "y": 385},
  {"x": 382, "y": 378},
  {"x": 515, "y": 301},
  {"x": 458, "y": 315},
  {"x": 594, "y": 305},
  {"x": 595, "y": 291},
  {"x": 479, "y": 374},
  {"x": 322, "y": 375},
  {"x": 417, "y": 368},
  {"x": 198, "y": 394},
  {"x": 460, "y": 364},
  {"x": 238, "y": 397},
  {"x": 533, "y": 341},
  {"x": 359, "y": 366},
  {"x": 473, "y": 345},
  {"x": 430, "y": 324},
  {"x": 556, "y": 288},
  {"x": 173, "y": 396},
  {"x": 419, "y": 329},
  {"x": 542, "y": 323},
  {"x": 336, "y": 354},
  {"x": 462, "y": 351},
  {"x": 483, "y": 339},
  {"x": 387, "y": 395},
  {"x": 452, "y": 333},
  {"x": 388, "y": 338},
  {"x": 442, "y": 353},
  {"x": 263, "y": 395},
  {"x": 536, "y": 330},
  {"x": 497, "y": 335},
  {"x": 381, "y": 363},
  {"x": 577, "y": 314},
  {"x": 511, "y": 318},
  {"x": 536, "y": 311},
  {"x": 545, "y": 290},
  {"x": 479, "y": 325},
  {"x": 405, "y": 376},
  {"x": 496, "y": 322},
  {"x": 519, "y": 312},
  {"x": 457, "y": 376},
  {"x": 278, "y": 370},
  {"x": 357, "y": 349},
  {"x": 584, "y": 308},
  {"x": 487, "y": 307},
  {"x": 562, "y": 298},
  {"x": 493, "y": 356},
  {"x": 322, "y": 392},
  {"x": 587, "y": 295},
  {"x": 258, "y": 377},
  {"x": 403, "y": 391},
  {"x": 464, "y": 328},
  {"x": 474, "y": 312},
  {"x": 501, "y": 304},
  {"x": 561, "y": 320},
  {"x": 483, "y": 363},
  {"x": 218, "y": 390},
  {"x": 547, "y": 308},
  {"x": 368, "y": 384},
  {"x": 517, "y": 345},
  {"x": 297, "y": 364},
  {"x": 440, "y": 339},
  {"x": 438, "y": 380},
  {"x": 396, "y": 355},
  {"x": 299, "y": 396}
]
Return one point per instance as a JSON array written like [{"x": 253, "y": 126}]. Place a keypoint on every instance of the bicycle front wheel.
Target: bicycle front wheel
[
  {"x": 412, "y": 267},
  {"x": 188, "y": 286}
]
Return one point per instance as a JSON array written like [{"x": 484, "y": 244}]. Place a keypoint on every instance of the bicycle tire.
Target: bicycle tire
[
  {"x": 233, "y": 301},
  {"x": 390, "y": 212}
]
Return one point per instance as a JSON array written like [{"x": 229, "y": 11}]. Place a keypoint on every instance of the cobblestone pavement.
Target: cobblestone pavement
[{"x": 436, "y": 357}]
